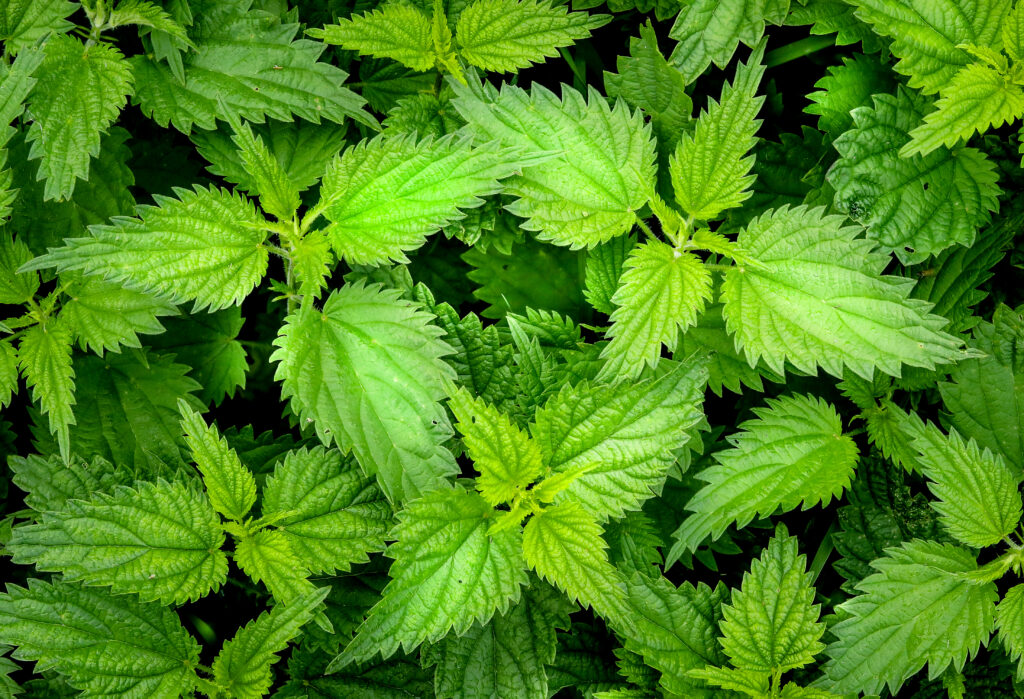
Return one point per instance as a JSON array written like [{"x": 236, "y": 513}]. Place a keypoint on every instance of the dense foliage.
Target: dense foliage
[{"x": 512, "y": 348}]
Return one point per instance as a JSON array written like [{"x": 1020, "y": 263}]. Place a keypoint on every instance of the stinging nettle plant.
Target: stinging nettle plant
[{"x": 680, "y": 380}]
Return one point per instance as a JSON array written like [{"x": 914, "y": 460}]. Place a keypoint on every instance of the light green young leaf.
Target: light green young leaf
[
  {"x": 661, "y": 292},
  {"x": 23, "y": 23},
  {"x": 926, "y": 34},
  {"x": 205, "y": 246},
  {"x": 711, "y": 30},
  {"x": 104, "y": 315},
  {"x": 397, "y": 31},
  {"x": 267, "y": 557},
  {"x": 385, "y": 196},
  {"x": 821, "y": 300},
  {"x": 794, "y": 453},
  {"x": 279, "y": 195},
  {"x": 847, "y": 87},
  {"x": 44, "y": 356},
  {"x": 506, "y": 457},
  {"x": 915, "y": 205},
  {"x": 145, "y": 14},
  {"x": 564, "y": 545},
  {"x": 367, "y": 370},
  {"x": 711, "y": 169},
  {"x": 242, "y": 667},
  {"x": 76, "y": 84},
  {"x": 1013, "y": 33},
  {"x": 331, "y": 514},
  {"x": 753, "y": 683},
  {"x": 314, "y": 261},
  {"x": 917, "y": 608},
  {"x": 447, "y": 574},
  {"x": 159, "y": 540},
  {"x": 49, "y": 482},
  {"x": 107, "y": 646},
  {"x": 1010, "y": 625},
  {"x": 623, "y": 436},
  {"x": 977, "y": 99},
  {"x": 771, "y": 624},
  {"x": 978, "y": 497},
  {"x": 604, "y": 267},
  {"x": 677, "y": 629},
  {"x": 506, "y": 35},
  {"x": 600, "y": 164},
  {"x": 229, "y": 484},
  {"x": 16, "y": 287}
]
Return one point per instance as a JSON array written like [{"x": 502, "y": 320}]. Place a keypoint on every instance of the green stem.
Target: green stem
[
  {"x": 644, "y": 227},
  {"x": 719, "y": 268},
  {"x": 798, "y": 49}
]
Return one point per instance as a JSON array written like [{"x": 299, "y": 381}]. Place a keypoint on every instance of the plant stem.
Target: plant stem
[{"x": 798, "y": 49}]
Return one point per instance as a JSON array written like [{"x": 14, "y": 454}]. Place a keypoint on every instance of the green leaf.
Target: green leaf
[
  {"x": 622, "y": 438},
  {"x": 604, "y": 267},
  {"x": 600, "y": 167},
  {"x": 710, "y": 169},
  {"x": 159, "y": 540},
  {"x": 447, "y": 573},
  {"x": 367, "y": 370},
  {"x": 329, "y": 512},
  {"x": 926, "y": 34},
  {"x": 978, "y": 497},
  {"x": 1010, "y": 624},
  {"x": 821, "y": 300},
  {"x": 793, "y": 454},
  {"x": 76, "y": 84},
  {"x": 771, "y": 624},
  {"x": 49, "y": 482},
  {"x": 677, "y": 629},
  {"x": 977, "y": 99},
  {"x": 385, "y": 196},
  {"x": 505, "y": 657},
  {"x": 206, "y": 246},
  {"x": 254, "y": 67},
  {"x": 847, "y": 87},
  {"x": 15, "y": 287},
  {"x": 564, "y": 545},
  {"x": 44, "y": 356},
  {"x": 397, "y": 31},
  {"x": 107, "y": 646},
  {"x": 506, "y": 35},
  {"x": 917, "y": 608},
  {"x": 24, "y": 23},
  {"x": 229, "y": 484},
  {"x": 104, "y": 315},
  {"x": 267, "y": 557},
  {"x": 8, "y": 373},
  {"x": 506, "y": 457},
  {"x": 242, "y": 667},
  {"x": 661, "y": 293},
  {"x": 279, "y": 195},
  {"x": 145, "y": 14},
  {"x": 1013, "y": 33},
  {"x": 709, "y": 31},
  {"x": 753, "y": 683}
]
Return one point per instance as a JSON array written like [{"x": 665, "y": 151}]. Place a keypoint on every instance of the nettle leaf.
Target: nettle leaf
[
  {"x": 50, "y": 482},
  {"x": 84, "y": 86},
  {"x": 604, "y": 267},
  {"x": 821, "y": 300},
  {"x": 279, "y": 195},
  {"x": 622, "y": 437},
  {"x": 1010, "y": 624},
  {"x": 847, "y": 87},
  {"x": 916, "y": 205},
  {"x": 206, "y": 246},
  {"x": 794, "y": 453},
  {"x": 447, "y": 574},
  {"x": 15, "y": 287},
  {"x": 24, "y": 23},
  {"x": 44, "y": 356},
  {"x": 709, "y": 31},
  {"x": 564, "y": 545},
  {"x": 243, "y": 666},
  {"x": 331, "y": 514},
  {"x": 107, "y": 646},
  {"x": 159, "y": 540},
  {"x": 978, "y": 497},
  {"x": 771, "y": 624},
  {"x": 385, "y": 196},
  {"x": 397, "y": 31},
  {"x": 917, "y": 608},
  {"x": 710, "y": 169},
  {"x": 145, "y": 14},
  {"x": 8, "y": 373},
  {"x": 661, "y": 292},
  {"x": 104, "y": 315},
  {"x": 505, "y": 657},
  {"x": 252, "y": 65},
  {"x": 367, "y": 370},
  {"x": 600, "y": 164},
  {"x": 267, "y": 557},
  {"x": 926, "y": 34},
  {"x": 229, "y": 484},
  {"x": 506, "y": 35},
  {"x": 677, "y": 629},
  {"x": 506, "y": 457}
]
